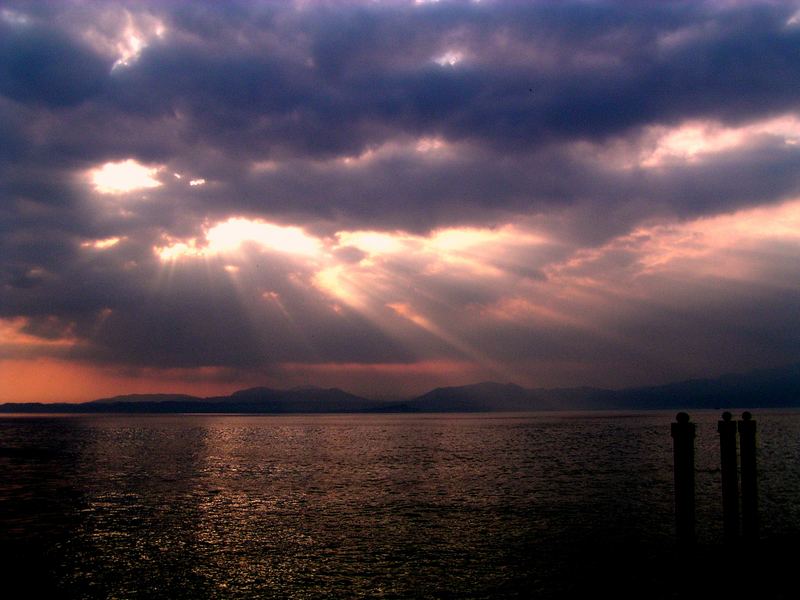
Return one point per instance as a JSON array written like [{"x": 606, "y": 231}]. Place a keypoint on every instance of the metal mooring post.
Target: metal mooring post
[
  {"x": 747, "y": 447},
  {"x": 730, "y": 477},
  {"x": 683, "y": 433}
]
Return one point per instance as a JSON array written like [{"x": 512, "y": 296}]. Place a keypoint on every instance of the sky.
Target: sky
[{"x": 391, "y": 196}]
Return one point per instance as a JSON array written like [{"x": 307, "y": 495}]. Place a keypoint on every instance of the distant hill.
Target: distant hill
[
  {"x": 146, "y": 398},
  {"x": 305, "y": 399},
  {"x": 765, "y": 388},
  {"x": 480, "y": 397},
  {"x": 508, "y": 397}
]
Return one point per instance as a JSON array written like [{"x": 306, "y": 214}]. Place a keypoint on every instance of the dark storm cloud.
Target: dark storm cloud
[
  {"x": 265, "y": 101},
  {"x": 355, "y": 81},
  {"x": 347, "y": 89},
  {"x": 43, "y": 65},
  {"x": 474, "y": 187},
  {"x": 246, "y": 82},
  {"x": 255, "y": 82}
]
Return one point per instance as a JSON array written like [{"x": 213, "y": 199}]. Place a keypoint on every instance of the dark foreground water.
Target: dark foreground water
[{"x": 361, "y": 506}]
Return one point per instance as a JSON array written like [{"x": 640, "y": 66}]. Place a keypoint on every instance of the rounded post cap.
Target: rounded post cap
[{"x": 682, "y": 417}]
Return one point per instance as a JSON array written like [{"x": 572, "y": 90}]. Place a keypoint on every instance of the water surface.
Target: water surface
[{"x": 360, "y": 506}]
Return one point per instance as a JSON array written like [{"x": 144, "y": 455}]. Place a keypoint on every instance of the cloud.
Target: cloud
[
  {"x": 565, "y": 146},
  {"x": 42, "y": 65},
  {"x": 661, "y": 300}
]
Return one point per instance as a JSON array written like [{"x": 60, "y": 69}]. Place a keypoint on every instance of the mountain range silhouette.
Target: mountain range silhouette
[{"x": 764, "y": 388}]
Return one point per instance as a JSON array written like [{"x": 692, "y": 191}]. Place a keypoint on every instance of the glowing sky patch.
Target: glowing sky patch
[
  {"x": 123, "y": 177},
  {"x": 450, "y": 58},
  {"x": 692, "y": 141},
  {"x": 174, "y": 250},
  {"x": 138, "y": 33},
  {"x": 51, "y": 379},
  {"x": 723, "y": 245},
  {"x": 733, "y": 246},
  {"x": 461, "y": 240},
  {"x": 231, "y": 234},
  {"x": 431, "y": 144},
  {"x": 103, "y": 244},
  {"x": 407, "y": 312},
  {"x": 373, "y": 242},
  {"x": 453, "y": 244},
  {"x": 432, "y": 148},
  {"x": 338, "y": 282},
  {"x": 469, "y": 250}
]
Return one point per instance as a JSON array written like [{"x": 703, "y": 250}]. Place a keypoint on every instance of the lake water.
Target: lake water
[{"x": 359, "y": 506}]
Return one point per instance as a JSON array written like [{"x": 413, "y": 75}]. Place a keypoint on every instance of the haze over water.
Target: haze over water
[{"x": 361, "y": 506}]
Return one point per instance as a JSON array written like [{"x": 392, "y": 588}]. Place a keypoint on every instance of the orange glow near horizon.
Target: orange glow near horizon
[
  {"x": 12, "y": 334},
  {"x": 52, "y": 380}
]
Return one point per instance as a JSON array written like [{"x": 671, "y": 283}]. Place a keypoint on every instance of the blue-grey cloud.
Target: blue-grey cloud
[{"x": 42, "y": 65}]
